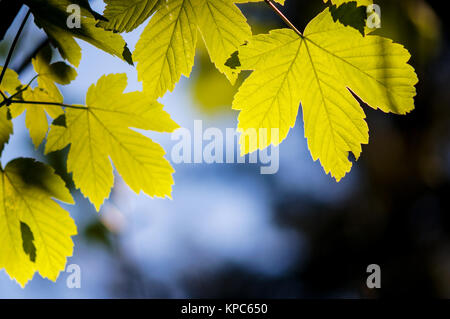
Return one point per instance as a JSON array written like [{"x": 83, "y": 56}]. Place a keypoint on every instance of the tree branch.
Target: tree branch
[
  {"x": 13, "y": 46},
  {"x": 9, "y": 100},
  {"x": 8, "y": 12}
]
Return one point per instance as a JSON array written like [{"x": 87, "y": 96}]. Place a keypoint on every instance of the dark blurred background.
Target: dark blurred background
[{"x": 230, "y": 232}]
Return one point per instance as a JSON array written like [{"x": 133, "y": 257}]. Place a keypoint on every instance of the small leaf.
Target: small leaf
[
  {"x": 36, "y": 118},
  {"x": 10, "y": 82},
  {"x": 52, "y": 17}
]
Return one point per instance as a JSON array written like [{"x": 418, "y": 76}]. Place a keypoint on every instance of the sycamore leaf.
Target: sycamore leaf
[
  {"x": 10, "y": 82},
  {"x": 125, "y": 16},
  {"x": 46, "y": 91},
  {"x": 101, "y": 131},
  {"x": 58, "y": 72},
  {"x": 318, "y": 70},
  {"x": 36, "y": 118},
  {"x": 166, "y": 48},
  {"x": 52, "y": 17},
  {"x": 35, "y": 232}
]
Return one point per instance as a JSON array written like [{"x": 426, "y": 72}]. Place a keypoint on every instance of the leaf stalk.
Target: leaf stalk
[
  {"x": 48, "y": 103},
  {"x": 283, "y": 17}
]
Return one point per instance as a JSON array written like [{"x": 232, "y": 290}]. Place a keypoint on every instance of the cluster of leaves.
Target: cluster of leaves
[{"x": 316, "y": 68}]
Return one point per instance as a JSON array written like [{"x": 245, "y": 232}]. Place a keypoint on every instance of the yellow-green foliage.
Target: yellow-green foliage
[{"x": 319, "y": 70}]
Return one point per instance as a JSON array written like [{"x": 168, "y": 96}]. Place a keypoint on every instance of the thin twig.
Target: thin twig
[
  {"x": 7, "y": 100},
  {"x": 13, "y": 46},
  {"x": 24, "y": 89},
  {"x": 48, "y": 103},
  {"x": 283, "y": 17}
]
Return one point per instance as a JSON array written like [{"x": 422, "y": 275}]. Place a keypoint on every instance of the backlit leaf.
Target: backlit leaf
[
  {"x": 46, "y": 91},
  {"x": 318, "y": 70},
  {"x": 125, "y": 16},
  {"x": 35, "y": 232},
  {"x": 52, "y": 18},
  {"x": 166, "y": 48},
  {"x": 101, "y": 131}
]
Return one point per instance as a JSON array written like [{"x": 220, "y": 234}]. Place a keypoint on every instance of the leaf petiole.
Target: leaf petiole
[
  {"x": 283, "y": 17},
  {"x": 48, "y": 103}
]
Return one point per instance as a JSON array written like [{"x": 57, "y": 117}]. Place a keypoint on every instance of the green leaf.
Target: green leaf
[
  {"x": 58, "y": 72},
  {"x": 65, "y": 42},
  {"x": 36, "y": 118},
  {"x": 10, "y": 82},
  {"x": 35, "y": 232},
  {"x": 46, "y": 91},
  {"x": 223, "y": 28},
  {"x": 167, "y": 46},
  {"x": 52, "y": 16},
  {"x": 101, "y": 131},
  {"x": 318, "y": 70},
  {"x": 125, "y": 16}
]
